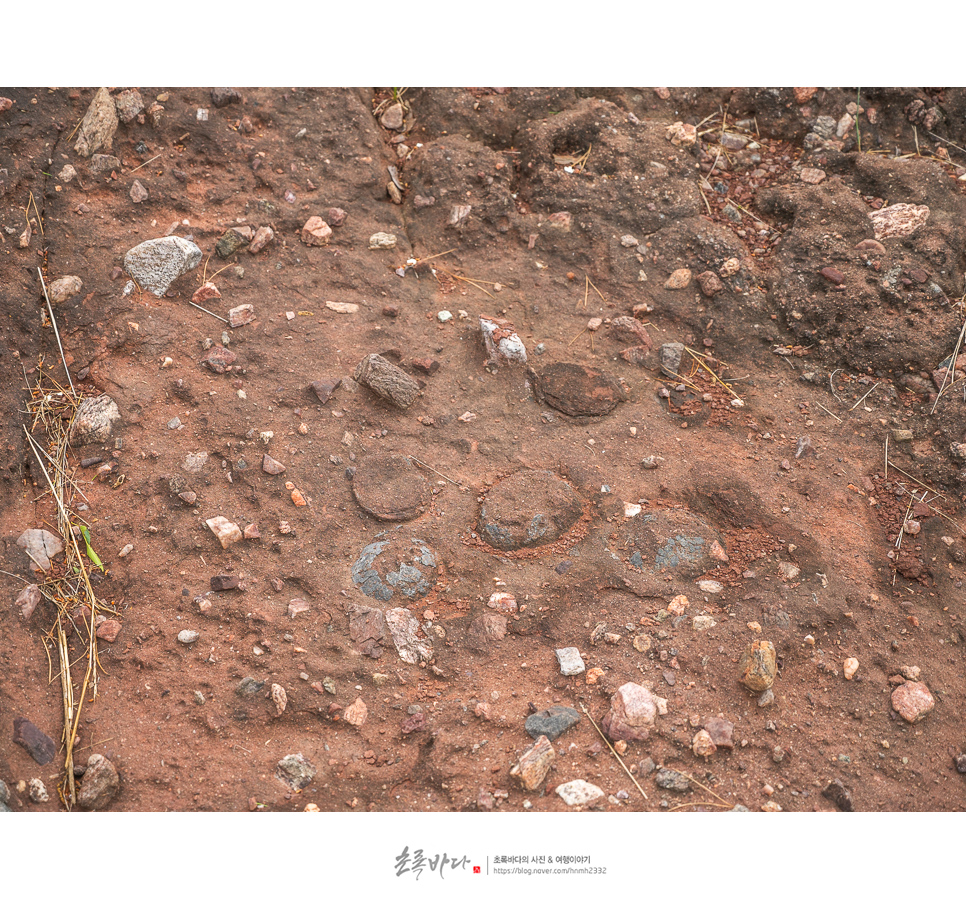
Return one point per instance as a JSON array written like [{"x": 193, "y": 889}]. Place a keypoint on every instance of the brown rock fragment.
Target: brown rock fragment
[
  {"x": 534, "y": 764},
  {"x": 758, "y": 666},
  {"x": 387, "y": 380}
]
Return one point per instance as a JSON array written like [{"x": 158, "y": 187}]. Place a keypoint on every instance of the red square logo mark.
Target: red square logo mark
[{"x": 476, "y": 870}]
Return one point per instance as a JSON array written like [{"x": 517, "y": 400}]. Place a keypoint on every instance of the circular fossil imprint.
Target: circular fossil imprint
[{"x": 527, "y": 509}]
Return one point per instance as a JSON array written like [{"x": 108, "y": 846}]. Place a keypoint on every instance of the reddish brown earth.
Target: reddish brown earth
[{"x": 799, "y": 327}]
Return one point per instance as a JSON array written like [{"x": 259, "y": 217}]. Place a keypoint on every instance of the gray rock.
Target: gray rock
[
  {"x": 38, "y": 791},
  {"x": 295, "y": 771},
  {"x": 579, "y": 792},
  {"x": 672, "y": 780},
  {"x": 104, "y": 162},
  {"x": 100, "y": 784},
  {"x": 670, "y": 355},
  {"x": 552, "y": 722},
  {"x": 224, "y": 95},
  {"x": 396, "y": 565},
  {"x": 570, "y": 661},
  {"x": 4, "y": 797},
  {"x": 41, "y": 546},
  {"x": 94, "y": 420},
  {"x": 188, "y": 636},
  {"x": 248, "y": 686},
  {"x": 98, "y": 125},
  {"x": 155, "y": 264}
]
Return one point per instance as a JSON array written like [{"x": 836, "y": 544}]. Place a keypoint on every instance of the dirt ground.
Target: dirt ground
[{"x": 796, "y": 477}]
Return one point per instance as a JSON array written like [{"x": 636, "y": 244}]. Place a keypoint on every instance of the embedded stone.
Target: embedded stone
[
  {"x": 241, "y": 315},
  {"x": 356, "y": 713},
  {"x": 41, "y": 546},
  {"x": 633, "y": 710},
  {"x": 316, "y": 232},
  {"x": 758, "y": 666},
  {"x": 579, "y": 792},
  {"x": 534, "y": 764},
  {"x": 528, "y": 509},
  {"x": 673, "y": 541},
  {"x": 226, "y": 532},
  {"x": 295, "y": 771},
  {"x": 913, "y": 701},
  {"x": 552, "y": 722},
  {"x": 98, "y": 126},
  {"x": 39, "y": 745},
  {"x": 898, "y": 220},
  {"x": 94, "y": 420},
  {"x": 391, "y": 488},
  {"x": 155, "y": 264},
  {"x": 680, "y": 278},
  {"x": 99, "y": 785},
  {"x": 577, "y": 390},
  {"x": 64, "y": 288},
  {"x": 395, "y": 566}
]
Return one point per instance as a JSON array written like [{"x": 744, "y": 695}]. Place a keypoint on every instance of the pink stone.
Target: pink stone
[
  {"x": 263, "y": 236},
  {"x": 913, "y": 701},
  {"x": 680, "y": 279},
  {"x": 356, "y": 713},
  {"x": 206, "y": 292},
  {"x": 5, "y": 104},
  {"x": 898, "y": 220},
  {"x": 336, "y": 217},
  {"x": 682, "y": 135},
  {"x": 316, "y": 232},
  {"x": 108, "y": 630},
  {"x": 241, "y": 315},
  {"x": 138, "y": 192},
  {"x": 632, "y": 713},
  {"x": 812, "y": 176}
]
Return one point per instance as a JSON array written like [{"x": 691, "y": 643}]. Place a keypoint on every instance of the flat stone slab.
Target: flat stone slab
[
  {"x": 552, "y": 722},
  {"x": 391, "y": 488},
  {"x": 577, "y": 390},
  {"x": 395, "y": 566},
  {"x": 527, "y": 509}
]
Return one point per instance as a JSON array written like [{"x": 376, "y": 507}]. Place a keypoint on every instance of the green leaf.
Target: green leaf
[{"x": 90, "y": 551}]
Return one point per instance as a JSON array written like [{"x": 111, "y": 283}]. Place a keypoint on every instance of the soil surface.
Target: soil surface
[{"x": 727, "y": 429}]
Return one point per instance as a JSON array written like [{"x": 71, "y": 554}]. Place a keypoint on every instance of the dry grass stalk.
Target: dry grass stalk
[
  {"x": 616, "y": 755},
  {"x": 52, "y": 409}
]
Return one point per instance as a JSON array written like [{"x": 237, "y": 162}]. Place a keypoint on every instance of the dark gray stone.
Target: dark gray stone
[
  {"x": 838, "y": 795},
  {"x": 672, "y": 780},
  {"x": 248, "y": 686},
  {"x": 552, "y": 722},
  {"x": 39, "y": 745},
  {"x": 670, "y": 355}
]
